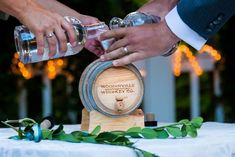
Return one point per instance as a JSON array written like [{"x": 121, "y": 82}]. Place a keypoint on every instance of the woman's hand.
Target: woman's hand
[{"x": 44, "y": 23}]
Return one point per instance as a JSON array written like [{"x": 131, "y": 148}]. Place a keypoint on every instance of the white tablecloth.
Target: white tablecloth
[{"x": 214, "y": 140}]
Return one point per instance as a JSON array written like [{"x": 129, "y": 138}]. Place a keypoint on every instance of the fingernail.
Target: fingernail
[
  {"x": 115, "y": 63},
  {"x": 102, "y": 58},
  {"x": 40, "y": 52},
  {"x": 74, "y": 44}
]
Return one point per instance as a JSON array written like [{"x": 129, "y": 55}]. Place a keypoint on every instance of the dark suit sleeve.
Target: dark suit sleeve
[{"x": 205, "y": 17}]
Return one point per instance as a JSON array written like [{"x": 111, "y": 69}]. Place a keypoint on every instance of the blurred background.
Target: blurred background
[{"x": 185, "y": 85}]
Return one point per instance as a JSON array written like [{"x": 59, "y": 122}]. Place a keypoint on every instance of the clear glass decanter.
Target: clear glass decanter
[
  {"x": 133, "y": 19},
  {"x": 26, "y": 45}
]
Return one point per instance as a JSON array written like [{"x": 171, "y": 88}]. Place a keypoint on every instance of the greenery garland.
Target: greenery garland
[{"x": 180, "y": 129}]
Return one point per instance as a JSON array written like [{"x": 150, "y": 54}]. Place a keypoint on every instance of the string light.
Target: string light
[
  {"x": 177, "y": 62},
  {"x": 213, "y": 52},
  {"x": 19, "y": 68},
  {"x": 53, "y": 68},
  {"x": 193, "y": 61},
  {"x": 183, "y": 49}
]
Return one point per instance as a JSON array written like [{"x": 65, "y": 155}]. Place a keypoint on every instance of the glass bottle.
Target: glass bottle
[
  {"x": 133, "y": 19},
  {"x": 26, "y": 45}
]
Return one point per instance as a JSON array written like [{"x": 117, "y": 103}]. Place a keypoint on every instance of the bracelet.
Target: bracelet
[{"x": 171, "y": 50}]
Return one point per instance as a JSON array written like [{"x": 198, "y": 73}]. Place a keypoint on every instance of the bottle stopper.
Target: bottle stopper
[
  {"x": 150, "y": 120},
  {"x": 47, "y": 122}
]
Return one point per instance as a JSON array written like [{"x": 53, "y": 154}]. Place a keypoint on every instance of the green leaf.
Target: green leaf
[
  {"x": 148, "y": 154},
  {"x": 46, "y": 134},
  {"x": 20, "y": 133},
  {"x": 192, "y": 133},
  {"x": 28, "y": 128},
  {"x": 184, "y": 121},
  {"x": 122, "y": 140},
  {"x": 26, "y": 123},
  {"x": 119, "y": 132},
  {"x": 191, "y": 130},
  {"x": 65, "y": 137},
  {"x": 96, "y": 130},
  {"x": 135, "y": 129},
  {"x": 90, "y": 139},
  {"x": 106, "y": 137},
  {"x": 79, "y": 134},
  {"x": 59, "y": 130},
  {"x": 162, "y": 134},
  {"x": 183, "y": 130},
  {"x": 149, "y": 133},
  {"x": 197, "y": 122},
  {"x": 174, "y": 131},
  {"x": 134, "y": 132}
]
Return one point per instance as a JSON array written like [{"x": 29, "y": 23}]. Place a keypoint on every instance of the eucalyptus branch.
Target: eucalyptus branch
[
  {"x": 143, "y": 152},
  {"x": 10, "y": 126},
  {"x": 25, "y": 122},
  {"x": 120, "y": 138},
  {"x": 12, "y": 121},
  {"x": 28, "y": 120}
]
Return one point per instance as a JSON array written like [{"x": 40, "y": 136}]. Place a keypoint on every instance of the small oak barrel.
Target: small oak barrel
[{"x": 112, "y": 91}]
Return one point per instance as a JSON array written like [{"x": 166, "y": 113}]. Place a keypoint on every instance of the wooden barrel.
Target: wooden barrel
[{"x": 112, "y": 91}]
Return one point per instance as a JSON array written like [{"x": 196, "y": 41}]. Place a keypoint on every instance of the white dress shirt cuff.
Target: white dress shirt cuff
[{"x": 183, "y": 31}]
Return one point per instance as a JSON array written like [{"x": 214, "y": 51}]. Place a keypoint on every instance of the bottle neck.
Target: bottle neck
[{"x": 94, "y": 30}]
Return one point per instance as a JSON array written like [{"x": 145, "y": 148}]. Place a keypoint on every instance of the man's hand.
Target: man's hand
[{"x": 137, "y": 43}]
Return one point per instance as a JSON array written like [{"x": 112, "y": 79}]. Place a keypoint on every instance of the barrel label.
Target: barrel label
[{"x": 117, "y": 88}]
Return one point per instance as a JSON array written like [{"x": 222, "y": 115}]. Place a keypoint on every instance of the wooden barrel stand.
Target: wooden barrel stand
[{"x": 93, "y": 118}]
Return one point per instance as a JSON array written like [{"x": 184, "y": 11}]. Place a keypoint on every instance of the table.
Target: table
[{"x": 214, "y": 140}]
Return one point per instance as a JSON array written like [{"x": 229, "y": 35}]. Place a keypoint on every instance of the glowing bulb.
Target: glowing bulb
[{"x": 59, "y": 62}]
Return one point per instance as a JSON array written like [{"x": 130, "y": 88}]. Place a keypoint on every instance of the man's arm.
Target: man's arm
[
  {"x": 195, "y": 21},
  {"x": 136, "y": 43},
  {"x": 206, "y": 17}
]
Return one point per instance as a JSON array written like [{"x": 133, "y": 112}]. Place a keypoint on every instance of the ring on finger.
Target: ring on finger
[
  {"x": 126, "y": 51},
  {"x": 50, "y": 35}
]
